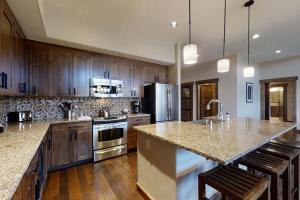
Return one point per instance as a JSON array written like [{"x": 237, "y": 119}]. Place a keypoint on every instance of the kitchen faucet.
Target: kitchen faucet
[{"x": 220, "y": 110}]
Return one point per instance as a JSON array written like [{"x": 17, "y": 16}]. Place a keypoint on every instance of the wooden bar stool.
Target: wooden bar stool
[
  {"x": 234, "y": 183},
  {"x": 277, "y": 168},
  {"x": 292, "y": 156}
]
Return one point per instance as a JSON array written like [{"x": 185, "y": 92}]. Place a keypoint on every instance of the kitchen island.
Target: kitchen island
[{"x": 172, "y": 154}]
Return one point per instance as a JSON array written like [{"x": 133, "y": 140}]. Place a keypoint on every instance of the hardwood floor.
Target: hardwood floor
[{"x": 107, "y": 180}]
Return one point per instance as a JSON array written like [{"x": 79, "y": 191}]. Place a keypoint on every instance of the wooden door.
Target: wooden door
[
  {"x": 137, "y": 82},
  {"x": 81, "y": 73},
  {"x": 61, "y": 62},
  {"x": 7, "y": 33},
  {"x": 149, "y": 74},
  {"x": 162, "y": 75},
  {"x": 187, "y": 102},
  {"x": 98, "y": 67},
  {"x": 83, "y": 144},
  {"x": 207, "y": 93},
  {"x": 42, "y": 74},
  {"x": 126, "y": 76},
  {"x": 62, "y": 148}
]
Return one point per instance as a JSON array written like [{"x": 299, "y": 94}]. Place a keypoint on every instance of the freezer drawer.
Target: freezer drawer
[{"x": 110, "y": 152}]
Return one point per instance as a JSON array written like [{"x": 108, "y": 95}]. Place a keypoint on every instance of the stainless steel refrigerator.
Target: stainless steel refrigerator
[{"x": 161, "y": 101}]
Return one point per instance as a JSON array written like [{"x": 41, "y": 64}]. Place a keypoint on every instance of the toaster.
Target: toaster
[{"x": 19, "y": 116}]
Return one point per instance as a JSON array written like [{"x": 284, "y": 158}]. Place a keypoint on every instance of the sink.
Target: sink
[{"x": 206, "y": 121}]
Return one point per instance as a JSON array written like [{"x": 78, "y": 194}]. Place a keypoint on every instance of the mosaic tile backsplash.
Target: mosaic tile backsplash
[{"x": 49, "y": 108}]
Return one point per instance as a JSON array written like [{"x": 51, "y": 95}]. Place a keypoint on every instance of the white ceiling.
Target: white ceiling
[{"x": 141, "y": 28}]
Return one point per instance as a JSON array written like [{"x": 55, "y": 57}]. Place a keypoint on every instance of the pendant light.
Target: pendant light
[
  {"x": 224, "y": 64},
  {"x": 249, "y": 71},
  {"x": 190, "y": 51}
]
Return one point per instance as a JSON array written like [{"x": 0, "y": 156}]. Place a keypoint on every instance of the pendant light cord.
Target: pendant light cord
[
  {"x": 190, "y": 29},
  {"x": 249, "y": 34},
  {"x": 224, "y": 36}
]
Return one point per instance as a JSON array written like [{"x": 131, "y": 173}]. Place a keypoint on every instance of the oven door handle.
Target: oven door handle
[{"x": 106, "y": 151}]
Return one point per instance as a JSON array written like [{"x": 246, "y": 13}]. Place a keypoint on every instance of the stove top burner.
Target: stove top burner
[{"x": 111, "y": 119}]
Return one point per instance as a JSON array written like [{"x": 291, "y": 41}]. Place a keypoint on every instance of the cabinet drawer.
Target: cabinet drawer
[
  {"x": 62, "y": 127},
  {"x": 135, "y": 121}
]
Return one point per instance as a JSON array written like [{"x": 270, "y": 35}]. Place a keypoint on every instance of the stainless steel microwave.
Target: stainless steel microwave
[{"x": 106, "y": 88}]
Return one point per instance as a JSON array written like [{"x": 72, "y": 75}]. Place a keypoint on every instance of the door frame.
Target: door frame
[
  {"x": 284, "y": 85},
  {"x": 201, "y": 82},
  {"x": 191, "y": 85},
  {"x": 265, "y": 95}
]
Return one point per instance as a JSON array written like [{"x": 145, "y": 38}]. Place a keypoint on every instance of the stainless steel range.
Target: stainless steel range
[{"x": 109, "y": 137}]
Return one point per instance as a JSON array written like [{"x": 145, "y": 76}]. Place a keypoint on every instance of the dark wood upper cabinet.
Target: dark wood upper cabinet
[
  {"x": 98, "y": 67},
  {"x": 113, "y": 68},
  {"x": 137, "y": 81},
  {"x": 61, "y": 62},
  {"x": 126, "y": 70},
  {"x": 7, "y": 33},
  {"x": 81, "y": 75},
  {"x": 152, "y": 74},
  {"x": 42, "y": 75},
  {"x": 149, "y": 75}
]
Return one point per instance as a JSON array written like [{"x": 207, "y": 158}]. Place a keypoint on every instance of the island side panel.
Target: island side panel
[{"x": 156, "y": 165}]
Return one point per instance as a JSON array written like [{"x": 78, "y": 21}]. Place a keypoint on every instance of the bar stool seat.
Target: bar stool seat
[
  {"x": 234, "y": 183},
  {"x": 277, "y": 168}
]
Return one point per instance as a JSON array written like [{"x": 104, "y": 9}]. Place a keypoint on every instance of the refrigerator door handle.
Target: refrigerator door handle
[{"x": 169, "y": 104}]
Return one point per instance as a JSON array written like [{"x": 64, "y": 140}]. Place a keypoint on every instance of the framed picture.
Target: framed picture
[{"x": 249, "y": 92}]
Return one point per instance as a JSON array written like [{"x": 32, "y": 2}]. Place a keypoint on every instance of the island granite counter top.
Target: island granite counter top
[
  {"x": 18, "y": 145},
  {"x": 223, "y": 143}
]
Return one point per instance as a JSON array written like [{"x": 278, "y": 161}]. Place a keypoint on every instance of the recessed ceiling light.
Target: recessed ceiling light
[
  {"x": 174, "y": 24},
  {"x": 255, "y": 36},
  {"x": 278, "y": 51}
]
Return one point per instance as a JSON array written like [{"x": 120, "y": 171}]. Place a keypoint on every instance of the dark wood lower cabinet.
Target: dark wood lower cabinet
[
  {"x": 64, "y": 145},
  {"x": 132, "y": 134},
  {"x": 71, "y": 142}
]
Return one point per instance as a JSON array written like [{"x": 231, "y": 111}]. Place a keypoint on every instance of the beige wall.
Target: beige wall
[
  {"x": 227, "y": 82},
  {"x": 284, "y": 68}
]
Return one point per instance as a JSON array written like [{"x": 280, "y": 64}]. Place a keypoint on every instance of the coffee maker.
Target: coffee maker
[{"x": 136, "y": 107}]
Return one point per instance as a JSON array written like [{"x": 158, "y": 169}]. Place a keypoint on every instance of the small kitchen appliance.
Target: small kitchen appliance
[
  {"x": 136, "y": 107},
  {"x": 19, "y": 116}
]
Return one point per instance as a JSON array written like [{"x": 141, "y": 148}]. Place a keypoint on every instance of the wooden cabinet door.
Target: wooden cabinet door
[
  {"x": 42, "y": 74},
  {"x": 97, "y": 67},
  {"x": 7, "y": 32},
  {"x": 61, "y": 62},
  {"x": 83, "y": 144},
  {"x": 113, "y": 69},
  {"x": 137, "y": 82},
  {"x": 80, "y": 72},
  {"x": 132, "y": 134},
  {"x": 149, "y": 75},
  {"x": 126, "y": 76},
  {"x": 19, "y": 75},
  {"x": 162, "y": 75},
  {"x": 62, "y": 148}
]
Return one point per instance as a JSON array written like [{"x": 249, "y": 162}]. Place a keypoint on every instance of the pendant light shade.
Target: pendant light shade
[
  {"x": 224, "y": 64},
  {"x": 190, "y": 51},
  {"x": 190, "y": 54},
  {"x": 249, "y": 71}
]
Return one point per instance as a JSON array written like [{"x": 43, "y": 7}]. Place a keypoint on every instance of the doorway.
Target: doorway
[
  {"x": 206, "y": 91},
  {"x": 278, "y": 99},
  {"x": 187, "y": 102}
]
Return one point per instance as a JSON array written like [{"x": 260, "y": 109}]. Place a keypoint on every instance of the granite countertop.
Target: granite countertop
[
  {"x": 18, "y": 145},
  {"x": 138, "y": 115},
  {"x": 223, "y": 143}
]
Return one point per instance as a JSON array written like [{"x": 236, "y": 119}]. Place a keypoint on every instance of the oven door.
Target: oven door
[{"x": 109, "y": 135}]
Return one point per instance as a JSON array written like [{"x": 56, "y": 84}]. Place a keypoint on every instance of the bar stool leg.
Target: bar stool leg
[
  {"x": 286, "y": 192},
  {"x": 296, "y": 178},
  {"x": 265, "y": 195},
  {"x": 201, "y": 187},
  {"x": 274, "y": 187}
]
